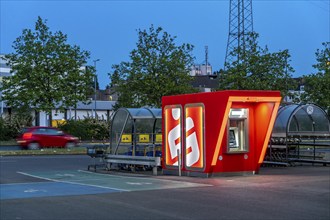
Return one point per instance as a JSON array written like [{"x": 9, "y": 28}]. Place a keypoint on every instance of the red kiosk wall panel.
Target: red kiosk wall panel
[{"x": 194, "y": 137}]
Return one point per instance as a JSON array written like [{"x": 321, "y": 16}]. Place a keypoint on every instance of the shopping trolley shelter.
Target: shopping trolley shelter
[
  {"x": 200, "y": 134},
  {"x": 135, "y": 139},
  {"x": 298, "y": 126}
]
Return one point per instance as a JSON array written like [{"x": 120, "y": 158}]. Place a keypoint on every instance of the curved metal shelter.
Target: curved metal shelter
[
  {"x": 136, "y": 132},
  {"x": 299, "y": 121},
  {"x": 300, "y": 133}
]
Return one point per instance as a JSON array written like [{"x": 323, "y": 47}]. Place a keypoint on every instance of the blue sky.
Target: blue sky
[{"x": 108, "y": 29}]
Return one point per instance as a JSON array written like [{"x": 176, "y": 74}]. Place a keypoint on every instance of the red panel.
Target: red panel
[
  {"x": 263, "y": 112},
  {"x": 194, "y": 137},
  {"x": 173, "y": 117}
]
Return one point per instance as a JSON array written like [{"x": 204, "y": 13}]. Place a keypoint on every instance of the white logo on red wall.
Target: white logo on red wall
[
  {"x": 173, "y": 129},
  {"x": 192, "y": 148},
  {"x": 194, "y": 136}
]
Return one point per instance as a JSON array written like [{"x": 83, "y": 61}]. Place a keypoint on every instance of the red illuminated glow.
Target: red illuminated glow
[
  {"x": 27, "y": 135},
  {"x": 173, "y": 135},
  {"x": 194, "y": 144},
  {"x": 269, "y": 131},
  {"x": 223, "y": 127}
]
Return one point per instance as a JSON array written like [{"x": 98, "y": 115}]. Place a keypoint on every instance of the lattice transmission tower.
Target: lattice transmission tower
[{"x": 240, "y": 25}]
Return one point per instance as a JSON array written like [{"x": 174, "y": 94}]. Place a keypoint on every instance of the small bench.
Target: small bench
[{"x": 153, "y": 162}]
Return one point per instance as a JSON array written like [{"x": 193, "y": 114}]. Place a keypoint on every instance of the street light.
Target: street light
[{"x": 95, "y": 87}]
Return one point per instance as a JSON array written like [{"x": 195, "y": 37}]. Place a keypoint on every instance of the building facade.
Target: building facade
[
  {"x": 201, "y": 70},
  {"x": 101, "y": 110},
  {"x": 4, "y": 72}
]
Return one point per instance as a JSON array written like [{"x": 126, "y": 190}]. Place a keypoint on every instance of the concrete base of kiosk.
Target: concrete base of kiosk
[{"x": 207, "y": 175}]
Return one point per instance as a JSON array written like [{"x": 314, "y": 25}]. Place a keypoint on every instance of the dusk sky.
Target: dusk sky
[{"x": 108, "y": 29}]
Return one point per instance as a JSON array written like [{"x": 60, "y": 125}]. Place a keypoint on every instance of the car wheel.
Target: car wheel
[
  {"x": 70, "y": 145},
  {"x": 34, "y": 146}
]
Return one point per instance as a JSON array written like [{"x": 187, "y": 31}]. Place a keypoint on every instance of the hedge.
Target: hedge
[{"x": 86, "y": 129}]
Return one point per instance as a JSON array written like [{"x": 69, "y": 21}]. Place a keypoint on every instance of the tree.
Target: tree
[
  {"x": 317, "y": 89},
  {"x": 157, "y": 68},
  {"x": 257, "y": 69},
  {"x": 47, "y": 72}
]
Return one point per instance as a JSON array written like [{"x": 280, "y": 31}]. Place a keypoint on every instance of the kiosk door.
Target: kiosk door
[{"x": 194, "y": 137}]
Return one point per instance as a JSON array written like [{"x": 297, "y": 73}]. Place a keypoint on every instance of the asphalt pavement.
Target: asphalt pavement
[{"x": 60, "y": 187}]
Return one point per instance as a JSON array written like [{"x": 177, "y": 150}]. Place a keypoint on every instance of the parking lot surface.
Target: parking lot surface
[
  {"x": 79, "y": 182},
  {"x": 60, "y": 187}
]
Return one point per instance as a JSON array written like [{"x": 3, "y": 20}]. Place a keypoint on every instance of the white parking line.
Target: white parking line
[{"x": 82, "y": 184}]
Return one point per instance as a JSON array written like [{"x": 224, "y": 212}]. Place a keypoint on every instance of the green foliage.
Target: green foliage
[
  {"x": 317, "y": 85},
  {"x": 47, "y": 71},
  {"x": 157, "y": 68},
  {"x": 257, "y": 69},
  {"x": 4, "y": 131},
  {"x": 87, "y": 129},
  {"x": 11, "y": 125}
]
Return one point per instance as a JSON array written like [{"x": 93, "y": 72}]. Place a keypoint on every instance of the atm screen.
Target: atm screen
[{"x": 232, "y": 138}]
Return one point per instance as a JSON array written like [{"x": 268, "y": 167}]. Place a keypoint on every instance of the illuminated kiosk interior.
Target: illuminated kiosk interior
[
  {"x": 134, "y": 133},
  {"x": 217, "y": 132}
]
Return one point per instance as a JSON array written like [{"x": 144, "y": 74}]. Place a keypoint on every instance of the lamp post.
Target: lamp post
[{"x": 95, "y": 87}]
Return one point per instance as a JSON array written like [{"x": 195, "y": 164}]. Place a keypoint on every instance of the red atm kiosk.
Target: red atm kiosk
[{"x": 217, "y": 132}]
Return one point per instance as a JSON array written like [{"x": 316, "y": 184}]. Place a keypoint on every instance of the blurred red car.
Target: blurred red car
[{"x": 39, "y": 137}]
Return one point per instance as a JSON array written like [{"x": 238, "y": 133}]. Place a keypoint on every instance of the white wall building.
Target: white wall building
[
  {"x": 4, "y": 71},
  {"x": 201, "y": 70},
  {"x": 104, "y": 110},
  {"x": 296, "y": 94}
]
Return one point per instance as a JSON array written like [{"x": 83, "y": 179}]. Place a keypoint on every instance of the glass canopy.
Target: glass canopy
[
  {"x": 301, "y": 120},
  {"x": 136, "y": 132}
]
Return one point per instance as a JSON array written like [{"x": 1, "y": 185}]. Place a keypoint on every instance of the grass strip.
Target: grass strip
[
  {"x": 8, "y": 143},
  {"x": 46, "y": 151}
]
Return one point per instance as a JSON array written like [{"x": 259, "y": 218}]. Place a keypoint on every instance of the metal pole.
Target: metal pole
[
  {"x": 179, "y": 161},
  {"x": 314, "y": 141},
  {"x": 95, "y": 94},
  {"x": 2, "y": 108},
  {"x": 270, "y": 150},
  {"x": 95, "y": 87}
]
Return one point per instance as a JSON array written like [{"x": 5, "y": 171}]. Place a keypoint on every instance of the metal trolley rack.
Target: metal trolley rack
[{"x": 97, "y": 153}]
